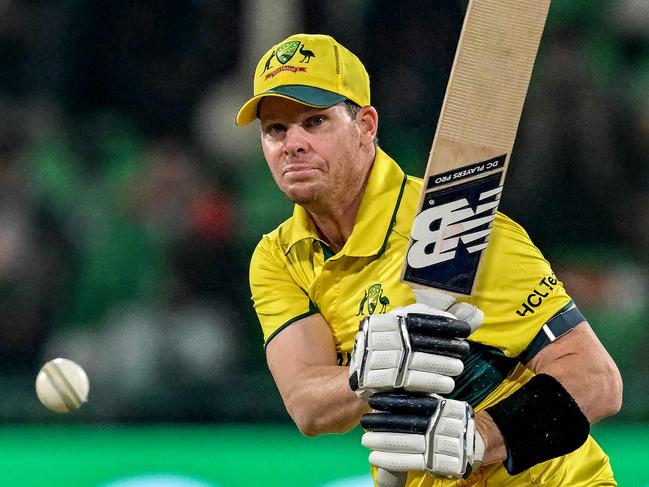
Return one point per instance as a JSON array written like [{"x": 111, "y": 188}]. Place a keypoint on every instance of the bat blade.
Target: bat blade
[{"x": 473, "y": 142}]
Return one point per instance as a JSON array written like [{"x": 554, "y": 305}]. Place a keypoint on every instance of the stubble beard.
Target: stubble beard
[
  {"x": 332, "y": 194},
  {"x": 322, "y": 199},
  {"x": 310, "y": 199}
]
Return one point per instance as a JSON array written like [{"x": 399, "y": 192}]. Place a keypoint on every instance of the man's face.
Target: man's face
[{"x": 313, "y": 153}]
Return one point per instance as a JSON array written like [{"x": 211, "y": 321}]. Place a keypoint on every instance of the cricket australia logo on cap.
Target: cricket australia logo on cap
[
  {"x": 284, "y": 54},
  {"x": 451, "y": 232},
  {"x": 286, "y": 51}
]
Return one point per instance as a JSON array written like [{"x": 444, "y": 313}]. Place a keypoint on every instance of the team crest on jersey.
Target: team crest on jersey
[{"x": 373, "y": 299}]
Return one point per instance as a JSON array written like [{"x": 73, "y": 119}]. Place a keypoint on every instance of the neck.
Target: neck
[
  {"x": 334, "y": 219},
  {"x": 335, "y": 226}
]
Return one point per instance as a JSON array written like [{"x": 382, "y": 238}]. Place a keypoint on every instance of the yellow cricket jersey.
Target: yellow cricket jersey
[{"x": 293, "y": 274}]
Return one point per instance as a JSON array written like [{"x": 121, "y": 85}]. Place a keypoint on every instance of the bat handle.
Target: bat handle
[{"x": 386, "y": 478}]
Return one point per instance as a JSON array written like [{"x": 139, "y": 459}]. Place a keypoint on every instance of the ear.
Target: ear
[{"x": 368, "y": 123}]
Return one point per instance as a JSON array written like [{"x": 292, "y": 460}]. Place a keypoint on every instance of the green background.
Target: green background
[{"x": 227, "y": 456}]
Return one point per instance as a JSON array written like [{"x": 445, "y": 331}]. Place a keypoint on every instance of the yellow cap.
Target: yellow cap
[{"x": 311, "y": 69}]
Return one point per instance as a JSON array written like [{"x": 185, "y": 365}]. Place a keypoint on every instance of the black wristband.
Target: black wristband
[{"x": 539, "y": 421}]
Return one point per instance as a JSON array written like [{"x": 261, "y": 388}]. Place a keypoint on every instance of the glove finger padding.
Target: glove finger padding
[
  {"x": 386, "y": 356},
  {"x": 437, "y": 325},
  {"x": 467, "y": 313},
  {"x": 396, "y": 403},
  {"x": 443, "y": 346},
  {"x": 441, "y": 443},
  {"x": 436, "y": 364},
  {"x": 440, "y": 300},
  {"x": 417, "y": 348},
  {"x": 395, "y": 423}
]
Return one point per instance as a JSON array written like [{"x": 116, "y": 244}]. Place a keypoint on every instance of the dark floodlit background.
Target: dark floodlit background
[{"x": 130, "y": 204}]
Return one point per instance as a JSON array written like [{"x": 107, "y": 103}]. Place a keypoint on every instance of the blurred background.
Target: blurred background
[{"x": 130, "y": 205}]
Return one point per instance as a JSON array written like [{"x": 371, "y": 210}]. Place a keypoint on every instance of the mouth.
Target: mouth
[{"x": 299, "y": 170}]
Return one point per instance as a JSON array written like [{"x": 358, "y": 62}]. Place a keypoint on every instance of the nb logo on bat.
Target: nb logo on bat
[
  {"x": 458, "y": 222},
  {"x": 450, "y": 232}
]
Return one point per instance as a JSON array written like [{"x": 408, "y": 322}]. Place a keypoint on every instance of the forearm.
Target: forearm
[
  {"x": 596, "y": 388},
  {"x": 598, "y": 395},
  {"x": 321, "y": 401},
  {"x": 315, "y": 390},
  {"x": 585, "y": 369}
]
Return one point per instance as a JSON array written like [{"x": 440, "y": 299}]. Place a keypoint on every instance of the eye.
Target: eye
[
  {"x": 315, "y": 121},
  {"x": 275, "y": 129}
]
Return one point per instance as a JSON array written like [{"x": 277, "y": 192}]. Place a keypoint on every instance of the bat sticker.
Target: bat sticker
[
  {"x": 494, "y": 164},
  {"x": 450, "y": 233}
]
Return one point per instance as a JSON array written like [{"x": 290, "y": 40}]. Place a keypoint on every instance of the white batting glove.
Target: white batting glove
[
  {"x": 417, "y": 347},
  {"x": 424, "y": 433}
]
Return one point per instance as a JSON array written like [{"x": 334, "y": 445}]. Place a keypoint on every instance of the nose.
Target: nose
[{"x": 295, "y": 141}]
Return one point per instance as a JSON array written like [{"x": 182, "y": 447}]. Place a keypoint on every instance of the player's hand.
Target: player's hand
[
  {"x": 418, "y": 347},
  {"x": 425, "y": 433}
]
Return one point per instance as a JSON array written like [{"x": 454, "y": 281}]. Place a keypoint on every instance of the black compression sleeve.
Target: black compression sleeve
[{"x": 540, "y": 421}]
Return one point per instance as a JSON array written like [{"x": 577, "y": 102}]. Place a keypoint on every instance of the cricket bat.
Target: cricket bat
[
  {"x": 471, "y": 149},
  {"x": 473, "y": 142}
]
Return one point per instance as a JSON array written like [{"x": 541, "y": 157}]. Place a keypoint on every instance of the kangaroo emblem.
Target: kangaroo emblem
[
  {"x": 307, "y": 55},
  {"x": 267, "y": 66}
]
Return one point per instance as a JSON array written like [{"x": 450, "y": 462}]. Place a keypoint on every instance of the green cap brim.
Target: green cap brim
[{"x": 308, "y": 95}]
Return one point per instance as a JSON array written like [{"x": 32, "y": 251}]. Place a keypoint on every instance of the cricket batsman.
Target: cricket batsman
[{"x": 496, "y": 389}]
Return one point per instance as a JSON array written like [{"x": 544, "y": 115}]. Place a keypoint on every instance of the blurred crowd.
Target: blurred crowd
[{"x": 129, "y": 203}]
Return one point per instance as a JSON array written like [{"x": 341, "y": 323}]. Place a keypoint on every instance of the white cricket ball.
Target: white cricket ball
[{"x": 62, "y": 385}]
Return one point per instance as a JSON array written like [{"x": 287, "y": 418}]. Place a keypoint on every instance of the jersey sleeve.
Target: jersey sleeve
[
  {"x": 519, "y": 293},
  {"x": 278, "y": 300}
]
